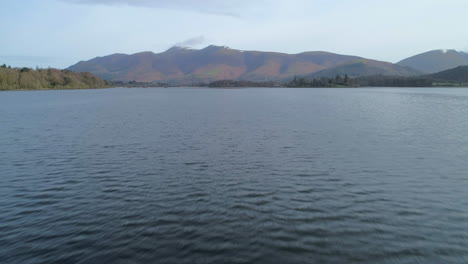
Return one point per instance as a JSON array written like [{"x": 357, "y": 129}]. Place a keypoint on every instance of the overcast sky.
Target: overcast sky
[{"x": 59, "y": 33}]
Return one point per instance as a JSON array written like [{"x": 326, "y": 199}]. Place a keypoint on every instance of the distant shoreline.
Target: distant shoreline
[
  {"x": 27, "y": 79},
  {"x": 226, "y": 88}
]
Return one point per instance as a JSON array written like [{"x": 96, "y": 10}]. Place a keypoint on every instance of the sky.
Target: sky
[{"x": 59, "y": 33}]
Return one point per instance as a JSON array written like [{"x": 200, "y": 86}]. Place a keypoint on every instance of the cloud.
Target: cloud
[
  {"x": 225, "y": 8},
  {"x": 195, "y": 41}
]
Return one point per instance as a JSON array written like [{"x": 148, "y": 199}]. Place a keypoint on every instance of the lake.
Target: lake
[{"x": 198, "y": 175}]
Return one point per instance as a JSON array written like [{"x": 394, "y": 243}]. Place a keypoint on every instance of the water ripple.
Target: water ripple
[{"x": 241, "y": 176}]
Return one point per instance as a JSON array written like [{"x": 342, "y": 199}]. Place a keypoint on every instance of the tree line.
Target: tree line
[
  {"x": 338, "y": 81},
  {"x": 241, "y": 83},
  {"x": 367, "y": 81},
  {"x": 29, "y": 79}
]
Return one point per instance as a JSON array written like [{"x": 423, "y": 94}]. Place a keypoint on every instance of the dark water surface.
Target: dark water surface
[{"x": 234, "y": 176}]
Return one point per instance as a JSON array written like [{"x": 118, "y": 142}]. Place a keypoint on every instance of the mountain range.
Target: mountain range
[{"x": 180, "y": 65}]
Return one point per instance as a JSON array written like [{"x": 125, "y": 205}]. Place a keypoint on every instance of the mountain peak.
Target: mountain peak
[
  {"x": 215, "y": 47},
  {"x": 436, "y": 60},
  {"x": 444, "y": 51}
]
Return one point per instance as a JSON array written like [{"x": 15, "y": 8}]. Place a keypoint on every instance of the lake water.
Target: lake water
[{"x": 192, "y": 175}]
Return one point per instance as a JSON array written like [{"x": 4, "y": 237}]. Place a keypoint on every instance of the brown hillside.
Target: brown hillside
[{"x": 184, "y": 66}]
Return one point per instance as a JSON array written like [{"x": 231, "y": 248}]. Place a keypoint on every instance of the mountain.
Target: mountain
[
  {"x": 183, "y": 65},
  {"x": 458, "y": 74},
  {"x": 436, "y": 60}
]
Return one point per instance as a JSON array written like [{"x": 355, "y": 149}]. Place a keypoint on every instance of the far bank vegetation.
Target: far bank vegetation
[{"x": 42, "y": 79}]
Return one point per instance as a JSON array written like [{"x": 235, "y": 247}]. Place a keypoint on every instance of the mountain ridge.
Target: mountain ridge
[{"x": 185, "y": 65}]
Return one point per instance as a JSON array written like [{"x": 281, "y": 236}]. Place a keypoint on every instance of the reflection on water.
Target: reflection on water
[{"x": 234, "y": 176}]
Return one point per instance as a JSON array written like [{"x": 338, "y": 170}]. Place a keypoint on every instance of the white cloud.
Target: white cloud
[{"x": 191, "y": 42}]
